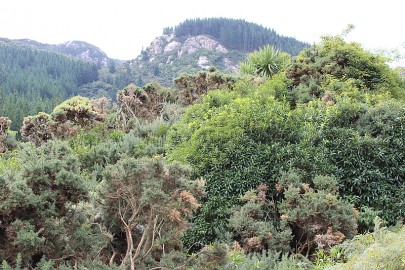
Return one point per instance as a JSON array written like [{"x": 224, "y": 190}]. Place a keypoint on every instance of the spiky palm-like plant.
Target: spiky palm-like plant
[{"x": 265, "y": 62}]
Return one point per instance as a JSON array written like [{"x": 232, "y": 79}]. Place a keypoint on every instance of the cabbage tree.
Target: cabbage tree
[{"x": 265, "y": 62}]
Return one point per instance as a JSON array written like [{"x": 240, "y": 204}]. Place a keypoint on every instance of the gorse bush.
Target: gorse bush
[
  {"x": 147, "y": 203},
  {"x": 333, "y": 58},
  {"x": 302, "y": 215},
  {"x": 66, "y": 120},
  {"x": 192, "y": 87},
  {"x": 5, "y": 124},
  {"x": 38, "y": 213}
]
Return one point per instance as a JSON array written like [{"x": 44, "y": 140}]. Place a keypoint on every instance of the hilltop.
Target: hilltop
[
  {"x": 77, "y": 49},
  {"x": 199, "y": 44}
]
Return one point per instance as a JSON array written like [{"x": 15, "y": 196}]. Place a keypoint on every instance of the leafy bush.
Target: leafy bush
[
  {"x": 240, "y": 139},
  {"x": 367, "y": 155},
  {"x": 237, "y": 144}
]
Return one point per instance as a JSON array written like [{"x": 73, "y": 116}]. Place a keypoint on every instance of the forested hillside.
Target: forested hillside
[
  {"x": 33, "y": 80},
  {"x": 34, "y": 76},
  {"x": 292, "y": 163},
  {"x": 237, "y": 34},
  {"x": 199, "y": 44}
]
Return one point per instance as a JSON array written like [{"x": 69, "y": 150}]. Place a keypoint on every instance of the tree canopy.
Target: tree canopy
[{"x": 238, "y": 34}]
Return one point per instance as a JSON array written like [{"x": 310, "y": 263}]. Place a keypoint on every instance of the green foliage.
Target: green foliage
[
  {"x": 333, "y": 121},
  {"x": 211, "y": 257},
  {"x": 382, "y": 249},
  {"x": 316, "y": 215},
  {"x": 66, "y": 120},
  {"x": 9, "y": 162},
  {"x": 367, "y": 158},
  {"x": 38, "y": 206},
  {"x": 238, "y": 34},
  {"x": 237, "y": 140},
  {"x": 192, "y": 87},
  {"x": 85, "y": 265},
  {"x": 256, "y": 225},
  {"x": 294, "y": 213},
  {"x": 335, "y": 60},
  {"x": 77, "y": 109},
  {"x": 324, "y": 258},
  {"x": 5, "y": 135},
  {"x": 265, "y": 62},
  {"x": 147, "y": 203},
  {"x": 97, "y": 89},
  {"x": 366, "y": 218},
  {"x": 235, "y": 144},
  {"x": 264, "y": 260},
  {"x": 34, "y": 80}
]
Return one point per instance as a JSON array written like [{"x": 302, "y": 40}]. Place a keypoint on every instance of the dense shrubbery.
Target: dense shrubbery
[
  {"x": 192, "y": 87},
  {"x": 336, "y": 65},
  {"x": 38, "y": 213},
  {"x": 279, "y": 171}
]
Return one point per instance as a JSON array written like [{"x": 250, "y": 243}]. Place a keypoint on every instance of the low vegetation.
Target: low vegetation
[{"x": 295, "y": 163}]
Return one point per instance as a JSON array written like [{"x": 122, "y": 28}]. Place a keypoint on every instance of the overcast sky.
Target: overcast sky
[{"x": 122, "y": 27}]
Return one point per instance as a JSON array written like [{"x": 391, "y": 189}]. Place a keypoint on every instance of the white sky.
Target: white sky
[{"x": 122, "y": 27}]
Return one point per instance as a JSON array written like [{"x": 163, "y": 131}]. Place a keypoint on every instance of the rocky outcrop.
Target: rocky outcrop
[
  {"x": 193, "y": 44},
  {"x": 168, "y": 56},
  {"x": 166, "y": 49},
  {"x": 169, "y": 44},
  {"x": 174, "y": 45},
  {"x": 203, "y": 62}
]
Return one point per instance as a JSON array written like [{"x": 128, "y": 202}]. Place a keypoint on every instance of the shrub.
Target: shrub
[
  {"x": 147, "y": 203},
  {"x": 5, "y": 124},
  {"x": 38, "y": 206},
  {"x": 265, "y": 261},
  {"x": 382, "y": 249},
  {"x": 295, "y": 213}
]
